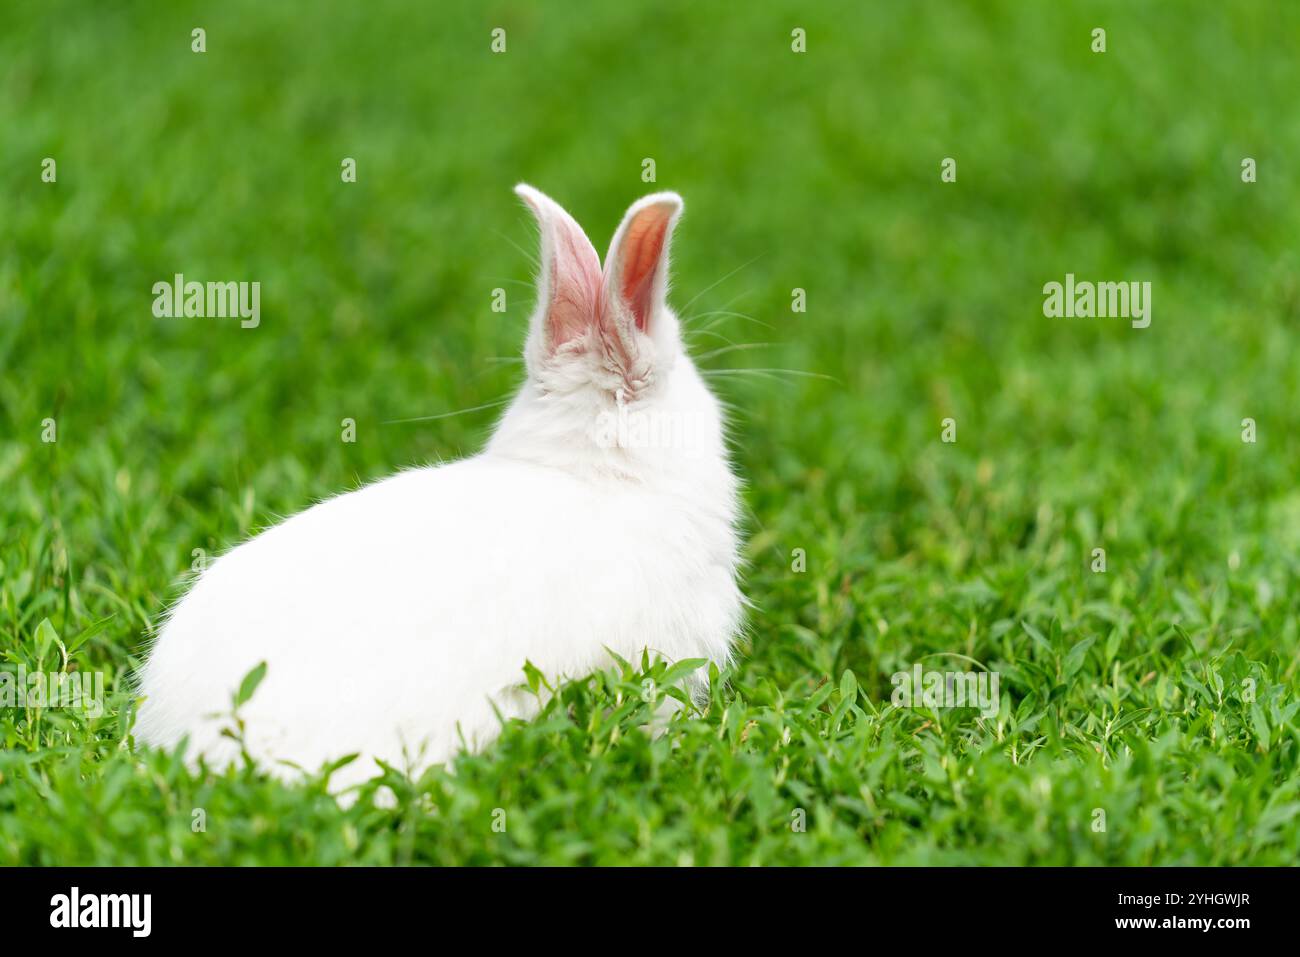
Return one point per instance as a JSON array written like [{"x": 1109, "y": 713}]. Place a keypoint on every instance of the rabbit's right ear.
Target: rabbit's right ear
[{"x": 568, "y": 287}]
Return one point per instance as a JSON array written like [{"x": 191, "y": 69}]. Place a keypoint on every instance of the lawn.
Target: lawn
[{"x": 1148, "y": 712}]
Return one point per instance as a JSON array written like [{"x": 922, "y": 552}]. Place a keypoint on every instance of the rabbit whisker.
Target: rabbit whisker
[
  {"x": 773, "y": 372},
  {"x": 532, "y": 258},
  {"x": 690, "y": 337},
  {"x": 734, "y": 347},
  {"x": 721, "y": 281},
  {"x": 448, "y": 415},
  {"x": 725, "y": 313}
]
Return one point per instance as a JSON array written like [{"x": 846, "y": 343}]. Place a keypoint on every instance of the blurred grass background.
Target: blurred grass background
[{"x": 818, "y": 171}]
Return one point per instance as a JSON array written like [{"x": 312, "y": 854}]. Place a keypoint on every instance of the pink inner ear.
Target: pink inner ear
[
  {"x": 643, "y": 247},
  {"x": 575, "y": 285}
]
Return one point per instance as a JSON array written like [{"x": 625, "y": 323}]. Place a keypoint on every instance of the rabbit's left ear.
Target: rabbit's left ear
[
  {"x": 636, "y": 268},
  {"x": 568, "y": 285}
]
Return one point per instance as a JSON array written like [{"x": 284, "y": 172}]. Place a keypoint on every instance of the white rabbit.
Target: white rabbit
[{"x": 602, "y": 514}]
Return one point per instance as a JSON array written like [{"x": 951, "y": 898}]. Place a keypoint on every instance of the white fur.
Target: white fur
[{"x": 393, "y": 618}]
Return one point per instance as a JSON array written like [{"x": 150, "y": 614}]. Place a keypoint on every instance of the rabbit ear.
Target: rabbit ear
[
  {"x": 568, "y": 288},
  {"x": 636, "y": 268}
]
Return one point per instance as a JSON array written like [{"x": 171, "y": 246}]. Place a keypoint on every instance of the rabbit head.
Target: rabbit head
[{"x": 609, "y": 386}]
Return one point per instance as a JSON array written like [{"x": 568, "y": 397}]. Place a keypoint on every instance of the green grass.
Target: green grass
[{"x": 1162, "y": 692}]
